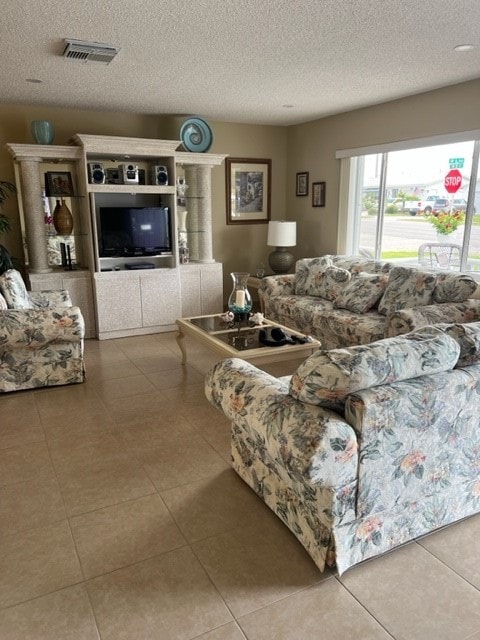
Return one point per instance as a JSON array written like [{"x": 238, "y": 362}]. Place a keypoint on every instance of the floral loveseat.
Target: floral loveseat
[
  {"x": 348, "y": 300},
  {"x": 363, "y": 448},
  {"x": 41, "y": 337}
]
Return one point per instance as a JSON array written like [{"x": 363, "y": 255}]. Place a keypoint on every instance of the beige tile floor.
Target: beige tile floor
[{"x": 121, "y": 519}]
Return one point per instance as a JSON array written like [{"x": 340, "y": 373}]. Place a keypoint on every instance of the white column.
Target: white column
[{"x": 34, "y": 215}]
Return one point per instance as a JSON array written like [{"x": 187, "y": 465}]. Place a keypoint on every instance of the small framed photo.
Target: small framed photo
[
  {"x": 318, "y": 194},
  {"x": 248, "y": 190},
  {"x": 302, "y": 184},
  {"x": 58, "y": 183}
]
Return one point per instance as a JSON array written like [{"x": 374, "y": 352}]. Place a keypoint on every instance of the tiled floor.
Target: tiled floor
[{"x": 121, "y": 519}]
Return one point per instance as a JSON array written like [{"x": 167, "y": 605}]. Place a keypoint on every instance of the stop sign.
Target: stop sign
[{"x": 453, "y": 181}]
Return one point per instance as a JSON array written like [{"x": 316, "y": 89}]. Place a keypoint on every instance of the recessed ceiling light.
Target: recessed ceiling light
[
  {"x": 463, "y": 47},
  {"x": 34, "y": 80}
]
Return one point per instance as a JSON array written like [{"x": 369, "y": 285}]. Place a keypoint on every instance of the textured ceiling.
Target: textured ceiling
[{"x": 237, "y": 60}]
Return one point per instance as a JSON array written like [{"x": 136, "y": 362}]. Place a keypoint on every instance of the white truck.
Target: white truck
[{"x": 420, "y": 206}]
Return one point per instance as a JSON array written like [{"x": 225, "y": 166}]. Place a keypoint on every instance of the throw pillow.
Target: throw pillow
[
  {"x": 468, "y": 337},
  {"x": 309, "y": 273},
  {"x": 13, "y": 290},
  {"x": 327, "y": 377},
  {"x": 332, "y": 283},
  {"x": 362, "y": 292},
  {"x": 454, "y": 287},
  {"x": 407, "y": 288}
]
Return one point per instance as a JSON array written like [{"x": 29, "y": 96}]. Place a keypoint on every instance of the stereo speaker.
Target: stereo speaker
[
  {"x": 96, "y": 173},
  {"x": 159, "y": 175}
]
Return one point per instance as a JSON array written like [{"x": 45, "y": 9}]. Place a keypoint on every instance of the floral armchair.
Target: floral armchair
[{"x": 41, "y": 337}]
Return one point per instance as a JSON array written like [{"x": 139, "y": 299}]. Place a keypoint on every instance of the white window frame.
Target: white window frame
[{"x": 348, "y": 222}]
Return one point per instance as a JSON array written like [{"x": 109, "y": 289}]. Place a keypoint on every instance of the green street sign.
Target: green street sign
[{"x": 456, "y": 163}]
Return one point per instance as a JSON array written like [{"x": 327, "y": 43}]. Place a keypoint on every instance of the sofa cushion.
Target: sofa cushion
[
  {"x": 454, "y": 287},
  {"x": 407, "y": 288},
  {"x": 362, "y": 292},
  {"x": 339, "y": 327},
  {"x": 13, "y": 290},
  {"x": 309, "y": 273},
  {"x": 332, "y": 283},
  {"x": 327, "y": 377},
  {"x": 468, "y": 338},
  {"x": 361, "y": 264}
]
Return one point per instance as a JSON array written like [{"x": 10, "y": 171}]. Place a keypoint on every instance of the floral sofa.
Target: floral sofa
[
  {"x": 41, "y": 337},
  {"x": 348, "y": 300},
  {"x": 363, "y": 448}
]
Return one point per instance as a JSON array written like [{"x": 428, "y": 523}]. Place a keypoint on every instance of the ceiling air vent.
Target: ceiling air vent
[{"x": 89, "y": 51}]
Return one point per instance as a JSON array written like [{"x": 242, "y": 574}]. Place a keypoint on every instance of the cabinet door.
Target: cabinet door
[
  {"x": 160, "y": 292},
  {"x": 191, "y": 292},
  {"x": 119, "y": 304}
]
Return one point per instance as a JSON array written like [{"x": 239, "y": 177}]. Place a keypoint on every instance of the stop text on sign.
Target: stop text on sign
[{"x": 453, "y": 181}]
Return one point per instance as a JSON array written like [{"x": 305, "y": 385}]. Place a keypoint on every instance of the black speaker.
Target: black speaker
[
  {"x": 96, "y": 173},
  {"x": 159, "y": 175}
]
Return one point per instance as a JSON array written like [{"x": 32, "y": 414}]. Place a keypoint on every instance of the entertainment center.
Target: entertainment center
[{"x": 127, "y": 278}]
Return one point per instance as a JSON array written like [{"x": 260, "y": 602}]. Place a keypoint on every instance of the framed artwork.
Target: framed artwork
[
  {"x": 302, "y": 184},
  {"x": 58, "y": 183},
  {"x": 248, "y": 190},
  {"x": 318, "y": 194}
]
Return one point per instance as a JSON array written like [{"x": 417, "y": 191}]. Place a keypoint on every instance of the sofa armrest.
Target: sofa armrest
[
  {"x": 278, "y": 285},
  {"x": 406, "y": 320},
  {"x": 34, "y": 328},
  {"x": 314, "y": 444},
  {"x": 50, "y": 299}
]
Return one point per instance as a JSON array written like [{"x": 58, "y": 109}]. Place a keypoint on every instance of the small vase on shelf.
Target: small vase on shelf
[{"x": 62, "y": 219}]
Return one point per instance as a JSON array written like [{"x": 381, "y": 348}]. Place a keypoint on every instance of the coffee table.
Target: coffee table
[{"x": 232, "y": 342}]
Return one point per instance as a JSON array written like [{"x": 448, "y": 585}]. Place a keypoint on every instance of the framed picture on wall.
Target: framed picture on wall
[
  {"x": 302, "y": 184},
  {"x": 318, "y": 194},
  {"x": 248, "y": 189},
  {"x": 58, "y": 184}
]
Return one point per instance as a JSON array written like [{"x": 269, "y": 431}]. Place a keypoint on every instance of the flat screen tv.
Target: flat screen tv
[{"x": 134, "y": 231}]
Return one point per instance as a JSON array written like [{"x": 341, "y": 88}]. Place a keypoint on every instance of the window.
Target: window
[{"x": 397, "y": 203}]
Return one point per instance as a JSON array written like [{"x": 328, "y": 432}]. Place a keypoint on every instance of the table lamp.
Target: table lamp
[{"x": 281, "y": 234}]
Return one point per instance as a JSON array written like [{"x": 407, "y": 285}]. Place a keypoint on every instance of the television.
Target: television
[{"x": 134, "y": 231}]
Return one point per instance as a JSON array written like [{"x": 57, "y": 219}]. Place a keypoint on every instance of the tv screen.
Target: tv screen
[{"x": 134, "y": 231}]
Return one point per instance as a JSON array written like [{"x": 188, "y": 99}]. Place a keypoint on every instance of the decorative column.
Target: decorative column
[
  {"x": 33, "y": 212},
  {"x": 199, "y": 205}
]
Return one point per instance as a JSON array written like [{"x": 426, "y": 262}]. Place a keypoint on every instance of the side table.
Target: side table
[{"x": 254, "y": 283}]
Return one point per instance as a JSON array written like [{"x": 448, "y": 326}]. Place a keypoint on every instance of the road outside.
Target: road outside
[{"x": 404, "y": 233}]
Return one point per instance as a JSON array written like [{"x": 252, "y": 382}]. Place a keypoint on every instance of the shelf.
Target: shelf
[{"x": 131, "y": 188}]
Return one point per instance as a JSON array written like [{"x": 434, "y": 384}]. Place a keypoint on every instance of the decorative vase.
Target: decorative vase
[
  {"x": 240, "y": 300},
  {"x": 62, "y": 219},
  {"x": 183, "y": 250},
  {"x": 449, "y": 238},
  {"x": 43, "y": 131}
]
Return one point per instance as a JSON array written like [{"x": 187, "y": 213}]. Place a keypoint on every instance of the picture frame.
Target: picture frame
[
  {"x": 58, "y": 184},
  {"x": 318, "y": 194},
  {"x": 302, "y": 184},
  {"x": 248, "y": 190}
]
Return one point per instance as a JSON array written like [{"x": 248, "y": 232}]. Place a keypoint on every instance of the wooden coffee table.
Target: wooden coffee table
[{"x": 233, "y": 342}]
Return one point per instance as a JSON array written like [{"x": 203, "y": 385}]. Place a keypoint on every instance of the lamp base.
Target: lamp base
[{"x": 281, "y": 260}]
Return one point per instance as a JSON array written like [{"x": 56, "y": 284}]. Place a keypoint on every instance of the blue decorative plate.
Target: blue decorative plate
[{"x": 196, "y": 135}]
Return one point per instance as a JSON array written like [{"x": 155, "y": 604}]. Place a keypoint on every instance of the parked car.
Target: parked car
[
  {"x": 460, "y": 204},
  {"x": 420, "y": 206},
  {"x": 440, "y": 204}
]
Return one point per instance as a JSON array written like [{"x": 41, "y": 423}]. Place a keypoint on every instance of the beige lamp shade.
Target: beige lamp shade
[{"x": 282, "y": 233}]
